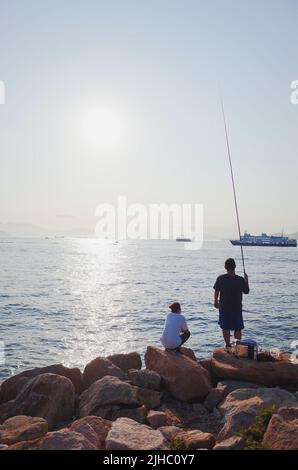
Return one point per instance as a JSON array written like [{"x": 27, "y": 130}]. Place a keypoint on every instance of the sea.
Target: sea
[{"x": 69, "y": 300}]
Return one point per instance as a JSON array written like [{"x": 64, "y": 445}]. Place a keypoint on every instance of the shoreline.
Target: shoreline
[{"x": 168, "y": 401}]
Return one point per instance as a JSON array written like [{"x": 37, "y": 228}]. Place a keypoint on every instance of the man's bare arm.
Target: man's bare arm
[{"x": 216, "y": 295}]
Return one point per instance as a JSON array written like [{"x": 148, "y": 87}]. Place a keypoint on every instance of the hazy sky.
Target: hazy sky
[{"x": 155, "y": 66}]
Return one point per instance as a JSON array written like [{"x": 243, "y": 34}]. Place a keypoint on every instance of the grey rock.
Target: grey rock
[
  {"x": 232, "y": 443},
  {"x": 145, "y": 378},
  {"x": 126, "y": 434},
  {"x": 98, "y": 368},
  {"x": 156, "y": 419},
  {"x": 126, "y": 361},
  {"x": 241, "y": 406},
  {"x": 48, "y": 396},
  {"x": 106, "y": 392}
]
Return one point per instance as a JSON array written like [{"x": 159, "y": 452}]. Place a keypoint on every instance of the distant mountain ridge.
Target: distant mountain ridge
[
  {"x": 22, "y": 230},
  {"x": 4, "y": 234},
  {"x": 12, "y": 229}
]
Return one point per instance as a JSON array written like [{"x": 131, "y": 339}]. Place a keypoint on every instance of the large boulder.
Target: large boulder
[
  {"x": 66, "y": 440},
  {"x": 150, "y": 398},
  {"x": 283, "y": 372},
  {"x": 282, "y": 430},
  {"x": 22, "y": 428},
  {"x": 87, "y": 431},
  {"x": 12, "y": 386},
  {"x": 126, "y": 434},
  {"x": 156, "y": 419},
  {"x": 196, "y": 439},
  {"x": 214, "y": 397},
  {"x": 189, "y": 353},
  {"x": 184, "y": 378},
  {"x": 241, "y": 406},
  {"x": 126, "y": 361},
  {"x": 47, "y": 396},
  {"x": 99, "y": 425},
  {"x": 107, "y": 396},
  {"x": 34, "y": 444},
  {"x": 99, "y": 368},
  {"x": 206, "y": 363},
  {"x": 219, "y": 393},
  {"x": 145, "y": 378},
  {"x": 190, "y": 415}
]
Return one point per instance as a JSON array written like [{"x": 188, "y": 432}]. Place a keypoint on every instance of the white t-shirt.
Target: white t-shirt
[{"x": 174, "y": 325}]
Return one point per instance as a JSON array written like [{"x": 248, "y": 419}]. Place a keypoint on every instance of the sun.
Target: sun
[{"x": 102, "y": 128}]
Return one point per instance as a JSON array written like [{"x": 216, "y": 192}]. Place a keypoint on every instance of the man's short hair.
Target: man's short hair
[{"x": 230, "y": 264}]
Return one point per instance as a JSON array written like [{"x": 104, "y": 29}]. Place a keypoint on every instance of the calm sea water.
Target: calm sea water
[{"x": 70, "y": 300}]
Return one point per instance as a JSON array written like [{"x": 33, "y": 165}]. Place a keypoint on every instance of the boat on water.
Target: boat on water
[
  {"x": 264, "y": 240},
  {"x": 183, "y": 239}
]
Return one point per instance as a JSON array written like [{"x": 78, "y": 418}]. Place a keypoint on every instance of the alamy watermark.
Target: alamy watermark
[
  {"x": 2, "y": 92},
  {"x": 294, "y": 94},
  {"x": 123, "y": 221}
]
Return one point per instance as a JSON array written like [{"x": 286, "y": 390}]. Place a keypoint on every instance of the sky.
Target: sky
[{"x": 153, "y": 70}]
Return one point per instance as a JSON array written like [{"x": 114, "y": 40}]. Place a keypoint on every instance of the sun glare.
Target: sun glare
[{"x": 102, "y": 128}]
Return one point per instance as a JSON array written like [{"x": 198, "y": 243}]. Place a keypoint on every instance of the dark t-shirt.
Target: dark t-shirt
[{"x": 231, "y": 289}]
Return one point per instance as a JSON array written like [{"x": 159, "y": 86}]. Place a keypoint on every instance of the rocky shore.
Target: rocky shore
[{"x": 175, "y": 402}]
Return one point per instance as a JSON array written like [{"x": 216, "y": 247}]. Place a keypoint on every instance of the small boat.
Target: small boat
[
  {"x": 183, "y": 239},
  {"x": 264, "y": 240}
]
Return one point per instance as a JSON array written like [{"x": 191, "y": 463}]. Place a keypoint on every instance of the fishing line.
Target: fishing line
[{"x": 233, "y": 180}]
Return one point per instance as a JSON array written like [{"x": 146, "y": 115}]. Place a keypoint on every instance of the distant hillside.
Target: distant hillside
[
  {"x": 13, "y": 229},
  {"x": 21, "y": 230},
  {"x": 4, "y": 234}
]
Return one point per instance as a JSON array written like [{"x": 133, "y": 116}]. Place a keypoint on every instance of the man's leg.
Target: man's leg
[
  {"x": 227, "y": 337},
  {"x": 238, "y": 334},
  {"x": 184, "y": 337}
]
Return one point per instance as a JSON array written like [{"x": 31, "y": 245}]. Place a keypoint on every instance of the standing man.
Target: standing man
[{"x": 230, "y": 288}]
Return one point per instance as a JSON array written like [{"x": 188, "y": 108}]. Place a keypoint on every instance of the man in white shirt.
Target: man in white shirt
[{"x": 175, "y": 331}]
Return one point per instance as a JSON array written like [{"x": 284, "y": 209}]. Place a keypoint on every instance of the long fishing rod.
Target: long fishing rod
[{"x": 233, "y": 180}]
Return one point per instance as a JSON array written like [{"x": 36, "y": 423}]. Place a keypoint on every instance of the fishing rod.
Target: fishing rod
[{"x": 233, "y": 180}]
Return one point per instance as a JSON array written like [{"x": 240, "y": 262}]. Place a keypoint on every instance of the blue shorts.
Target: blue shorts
[{"x": 230, "y": 320}]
